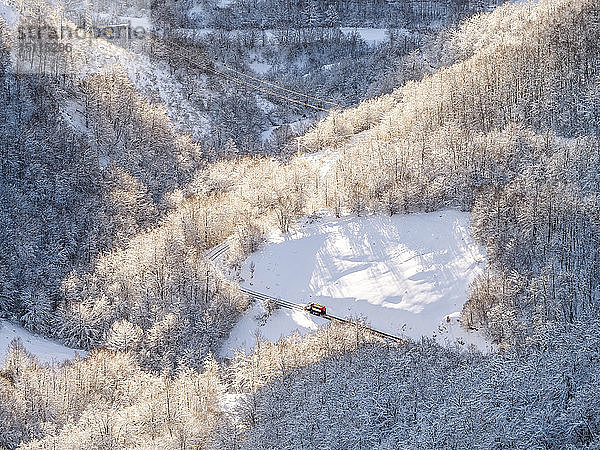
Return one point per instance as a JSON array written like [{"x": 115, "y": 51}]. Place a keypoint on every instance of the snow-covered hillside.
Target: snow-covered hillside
[
  {"x": 8, "y": 13},
  {"x": 46, "y": 350},
  {"x": 405, "y": 275}
]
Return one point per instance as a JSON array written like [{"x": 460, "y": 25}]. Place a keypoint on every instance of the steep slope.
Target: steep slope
[
  {"x": 510, "y": 131},
  {"x": 455, "y": 139},
  {"x": 423, "y": 396},
  {"x": 87, "y": 164}
]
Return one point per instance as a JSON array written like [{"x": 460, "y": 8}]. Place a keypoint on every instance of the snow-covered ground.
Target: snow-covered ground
[
  {"x": 297, "y": 127},
  {"x": 260, "y": 67},
  {"x": 46, "y": 350},
  {"x": 406, "y": 275},
  {"x": 9, "y": 15},
  {"x": 371, "y": 36}
]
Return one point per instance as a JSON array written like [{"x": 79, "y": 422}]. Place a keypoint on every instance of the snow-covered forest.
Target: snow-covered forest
[{"x": 124, "y": 164}]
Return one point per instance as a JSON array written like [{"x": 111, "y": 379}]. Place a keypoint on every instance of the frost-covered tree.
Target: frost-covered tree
[{"x": 124, "y": 336}]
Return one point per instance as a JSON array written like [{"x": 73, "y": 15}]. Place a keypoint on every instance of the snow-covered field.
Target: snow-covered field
[
  {"x": 46, "y": 350},
  {"x": 406, "y": 275}
]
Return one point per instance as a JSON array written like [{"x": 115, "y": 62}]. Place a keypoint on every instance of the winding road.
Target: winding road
[{"x": 214, "y": 253}]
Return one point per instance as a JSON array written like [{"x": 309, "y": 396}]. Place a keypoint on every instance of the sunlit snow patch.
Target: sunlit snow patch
[
  {"x": 255, "y": 325},
  {"x": 46, "y": 350},
  {"x": 405, "y": 275}
]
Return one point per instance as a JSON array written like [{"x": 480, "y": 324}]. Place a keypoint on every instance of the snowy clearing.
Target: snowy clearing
[
  {"x": 260, "y": 67},
  {"x": 46, "y": 350},
  {"x": 371, "y": 36},
  {"x": 405, "y": 275}
]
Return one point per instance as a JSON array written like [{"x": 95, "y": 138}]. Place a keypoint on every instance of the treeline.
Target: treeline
[
  {"x": 108, "y": 401},
  {"x": 425, "y": 396},
  {"x": 541, "y": 230},
  {"x": 339, "y": 386},
  {"x": 326, "y": 13}
]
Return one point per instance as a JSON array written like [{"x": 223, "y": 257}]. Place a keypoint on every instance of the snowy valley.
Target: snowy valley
[{"x": 309, "y": 224}]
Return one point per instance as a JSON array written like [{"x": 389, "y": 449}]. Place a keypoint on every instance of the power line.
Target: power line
[
  {"x": 246, "y": 83},
  {"x": 279, "y": 87},
  {"x": 267, "y": 91}
]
